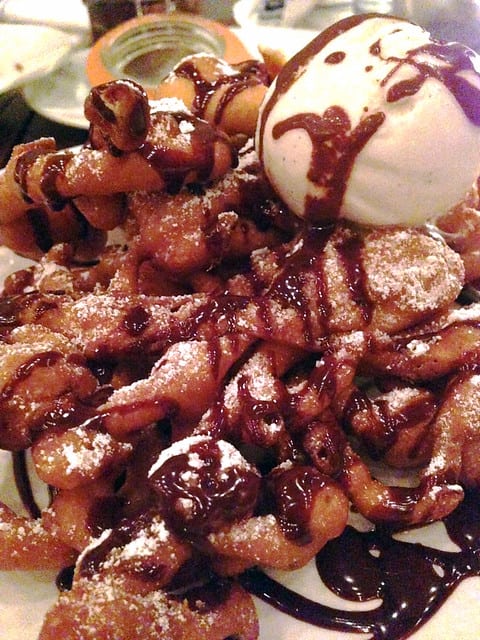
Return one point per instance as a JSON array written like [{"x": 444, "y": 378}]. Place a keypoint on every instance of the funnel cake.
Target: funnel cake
[{"x": 212, "y": 394}]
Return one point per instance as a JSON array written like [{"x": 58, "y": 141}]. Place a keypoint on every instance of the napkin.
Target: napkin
[
  {"x": 70, "y": 15},
  {"x": 30, "y": 51}
]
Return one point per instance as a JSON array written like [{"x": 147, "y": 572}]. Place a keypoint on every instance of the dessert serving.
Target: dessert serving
[{"x": 253, "y": 304}]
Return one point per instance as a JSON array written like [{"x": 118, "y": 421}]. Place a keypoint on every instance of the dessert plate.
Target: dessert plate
[
  {"x": 60, "y": 95},
  {"x": 26, "y": 596}
]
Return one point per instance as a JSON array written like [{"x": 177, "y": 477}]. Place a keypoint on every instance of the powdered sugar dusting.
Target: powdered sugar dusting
[
  {"x": 89, "y": 456},
  {"x": 414, "y": 270},
  {"x": 181, "y": 447}
]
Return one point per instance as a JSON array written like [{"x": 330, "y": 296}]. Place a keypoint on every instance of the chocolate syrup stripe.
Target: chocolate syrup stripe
[
  {"x": 294, "y": 67},
  {"x": 247, "y": 74},
  {"x": 23, "y": 484},
  {"x": 412, "y": 580}
]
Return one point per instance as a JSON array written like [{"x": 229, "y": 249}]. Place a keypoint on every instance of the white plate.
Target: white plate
[
  {"x": 60, "y": 95},
  {"x": 306, "y": 15},
  {"x": 29, "y": 51},
  {"x": 70, "y": 15}
]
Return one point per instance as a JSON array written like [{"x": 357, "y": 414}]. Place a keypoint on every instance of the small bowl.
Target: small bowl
[{"x": 146, "y": 49}]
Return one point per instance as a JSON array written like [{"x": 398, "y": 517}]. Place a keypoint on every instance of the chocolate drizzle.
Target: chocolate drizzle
[
  {"x": 294, "y": 68},
  {"x": 173, "y": 162},
  {"x": 445, "y": 62},
  {"x": 217, "y": 496},
  {"x": 23, "y": 483},
  {"x": 119, "y": 114},
  {"x": 39, "y": 222},
  {"x": 411, "y": 580},
  {"x": 54, "y": 167},
  {"x": 335, "y": 146},
  {"x": 308, "y": 260},
  {"x": 238, "y": 78},
  {"x": 294, "y": 491},
  {"x": 44, "y": 359},
  {"x": 336, "y": 57}
]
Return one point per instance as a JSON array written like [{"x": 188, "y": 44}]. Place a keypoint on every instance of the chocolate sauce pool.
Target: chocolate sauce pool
[{"x": 412, "y": 580}]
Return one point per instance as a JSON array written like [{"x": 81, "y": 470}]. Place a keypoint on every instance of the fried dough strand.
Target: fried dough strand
[
  {"x": 178, "y": 149},
  {"x": 101, "y": 609},
  {"x": 227, "y": 96},
  {"x": 26, "y": 544}
]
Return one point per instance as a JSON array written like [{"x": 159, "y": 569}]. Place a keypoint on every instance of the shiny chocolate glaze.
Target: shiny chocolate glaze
[
  {"x": 238, "y": 78},
  {"x": 412, "y": 580}
]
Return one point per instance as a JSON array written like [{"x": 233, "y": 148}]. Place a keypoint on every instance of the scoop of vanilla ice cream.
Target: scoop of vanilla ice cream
[{"x": 374, "y": 122}]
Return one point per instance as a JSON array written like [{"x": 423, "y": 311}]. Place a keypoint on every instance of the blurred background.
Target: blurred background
[
  {"x": 445, "y": 19},
  {"x": 48, "y": 46}
]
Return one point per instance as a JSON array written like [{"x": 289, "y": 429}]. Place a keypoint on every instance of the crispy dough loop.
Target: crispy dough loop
[
  {"x": 252, "y": 404},
  {"x": 394, "y": 426},
  {"x": 432, "y": 350},
  {"x": 142, "y": 551},
  {"x": 76, "y": 515},
  {"x": 112, "y": 324},
  {"x": 185, "y": 370},
  {"x": 177, "y": 149},
  {"x": 456, "y": 431},
  {"x": 45, "y": 368},
  {"x": 433, "y": 499},
  {"x": 103, "y": 608},
  {"x": 452, "y": 433},
  {"x": 313, "y": 293},
  {"x": 226, "y": 95},
  {"x": 119, "y": 113},
  {"x": 58, "y": 270},
  {"x": 26, "y": 544},
  {"x": 245, "y": 541},
  {"x": 188, "y": 232},
  {"x": 460, "y": 228},
  {"x": 74, "y": 457}
]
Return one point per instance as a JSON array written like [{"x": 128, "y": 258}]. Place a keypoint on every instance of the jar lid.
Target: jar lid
[{"x": 146, "y": 49}]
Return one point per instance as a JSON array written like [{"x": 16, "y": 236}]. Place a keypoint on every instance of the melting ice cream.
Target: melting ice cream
[{"x": 374, "y": 121}]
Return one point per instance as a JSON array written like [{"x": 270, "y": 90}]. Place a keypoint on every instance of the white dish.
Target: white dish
[
  {"x": 30, "y": 51},
  {"x": 68, "y": 16},
  {"x": 60, "y": 95},
  {"x": 26, "y": 596}
]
